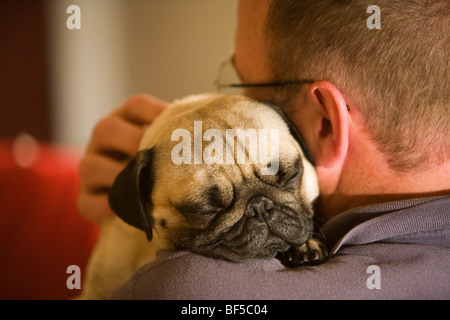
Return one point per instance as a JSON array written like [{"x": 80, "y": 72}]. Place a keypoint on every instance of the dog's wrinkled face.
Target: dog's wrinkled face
[{"x": 182, "y": 186}]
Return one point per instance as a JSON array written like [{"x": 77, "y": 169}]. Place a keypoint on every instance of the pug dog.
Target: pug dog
[{"x": 221, "y": 176}]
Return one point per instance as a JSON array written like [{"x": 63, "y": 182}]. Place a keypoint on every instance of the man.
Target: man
[{"x": 375, "y": 116}]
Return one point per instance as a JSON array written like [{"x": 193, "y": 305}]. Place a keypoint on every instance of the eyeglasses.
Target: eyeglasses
[{"x": 229, "y": 81}]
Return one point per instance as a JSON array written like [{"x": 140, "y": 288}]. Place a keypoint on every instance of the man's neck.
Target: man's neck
[{"x": 367, "y": 179}]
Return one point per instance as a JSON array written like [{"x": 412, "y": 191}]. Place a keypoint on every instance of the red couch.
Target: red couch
[{"x": 41, "y": 231}]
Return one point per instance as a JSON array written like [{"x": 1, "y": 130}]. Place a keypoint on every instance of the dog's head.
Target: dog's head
[{"x": 222, "y": 176}]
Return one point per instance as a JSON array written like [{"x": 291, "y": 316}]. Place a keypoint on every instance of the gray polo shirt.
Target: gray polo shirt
[{"x": 395, "y": 250}]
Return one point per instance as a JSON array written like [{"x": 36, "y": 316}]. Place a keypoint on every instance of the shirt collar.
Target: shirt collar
[{"x": 386, "y": 221}]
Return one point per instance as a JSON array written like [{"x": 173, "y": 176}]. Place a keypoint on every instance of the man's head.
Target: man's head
[{"x": 394, "y": 79}]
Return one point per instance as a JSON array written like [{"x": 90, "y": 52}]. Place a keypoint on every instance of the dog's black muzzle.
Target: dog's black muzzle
[{"x": 266, "y": 228}]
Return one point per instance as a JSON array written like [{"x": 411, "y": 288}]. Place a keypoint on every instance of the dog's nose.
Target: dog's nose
[{"x": 259, "y": 207}]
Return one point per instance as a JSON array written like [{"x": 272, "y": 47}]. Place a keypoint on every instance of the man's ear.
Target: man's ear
[
  {"x": 129, "y": 196},
  {"x": 331, "y": 124}
]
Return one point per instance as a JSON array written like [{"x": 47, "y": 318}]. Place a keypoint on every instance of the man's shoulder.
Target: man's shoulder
[
  {"x": 391, "y": 251},
  {"x": 374, "y": 271}
]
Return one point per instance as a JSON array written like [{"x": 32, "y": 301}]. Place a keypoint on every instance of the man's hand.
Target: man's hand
[{"x": 115, "y": 139}]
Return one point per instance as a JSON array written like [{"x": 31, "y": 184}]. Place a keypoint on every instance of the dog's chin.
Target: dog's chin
[{"x": 260, "y": 233}]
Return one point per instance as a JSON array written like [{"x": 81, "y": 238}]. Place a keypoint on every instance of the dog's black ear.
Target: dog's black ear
[{"x": 129, "y": 196}]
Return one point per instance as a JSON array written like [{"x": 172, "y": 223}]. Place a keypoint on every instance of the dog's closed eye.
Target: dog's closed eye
[
  {"x": 215, "y": 197},
  {"x": 290, "y": 177},
  {"x": 213, "y": 201}
]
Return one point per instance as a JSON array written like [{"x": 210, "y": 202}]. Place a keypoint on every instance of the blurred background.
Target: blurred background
[{"x": 55, "y": 84}]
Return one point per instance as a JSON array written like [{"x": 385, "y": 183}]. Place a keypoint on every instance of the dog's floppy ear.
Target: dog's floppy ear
[{"x": 129, "y": 196}]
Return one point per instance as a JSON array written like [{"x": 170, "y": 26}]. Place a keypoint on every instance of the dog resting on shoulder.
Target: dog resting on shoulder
[{"x": 208, "y": 179}]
